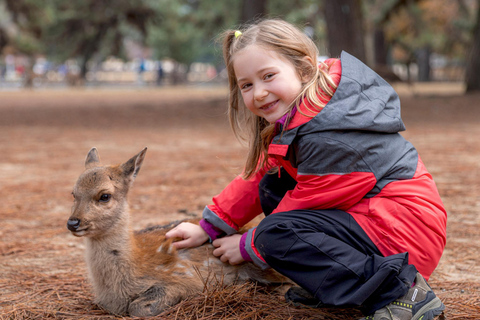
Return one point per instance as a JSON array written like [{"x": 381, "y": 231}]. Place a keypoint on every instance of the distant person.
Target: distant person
[
  {"x": 3, "y": 71},
  {"x": 141, "y": 70},
  {"x": 352, "y": 214},
  {"x": 10, "y": 66},
  {"x": 159, "y": 73},
  {"x": 62, "y": 71}
]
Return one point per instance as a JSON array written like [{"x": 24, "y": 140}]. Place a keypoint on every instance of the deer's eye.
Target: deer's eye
[{"x": 105, "y": 197}]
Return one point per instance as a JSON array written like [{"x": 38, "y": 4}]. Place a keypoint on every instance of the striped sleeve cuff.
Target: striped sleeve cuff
[
  {"x": 243, "y": 251},
  {"x": 212, "y": 231},
  {"x": 257, "y": 259},
  {"x": 212, "y": 218}
]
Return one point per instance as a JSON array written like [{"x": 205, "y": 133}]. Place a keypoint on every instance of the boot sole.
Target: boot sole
[{"x": 430, "y": 310}]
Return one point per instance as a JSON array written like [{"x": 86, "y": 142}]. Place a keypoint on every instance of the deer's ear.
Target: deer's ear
[
  {"x": 132, "y": 166},
  {"x": 93, "y": 159}
]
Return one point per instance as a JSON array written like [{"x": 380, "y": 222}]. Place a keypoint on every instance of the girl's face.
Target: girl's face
[{"x": 268, "y": 82}]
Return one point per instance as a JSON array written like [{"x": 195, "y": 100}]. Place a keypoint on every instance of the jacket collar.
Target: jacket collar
[{"x": 285, "y": 137}]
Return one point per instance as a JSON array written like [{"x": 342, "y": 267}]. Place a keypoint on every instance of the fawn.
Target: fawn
[{"x": 140, "y": 273}]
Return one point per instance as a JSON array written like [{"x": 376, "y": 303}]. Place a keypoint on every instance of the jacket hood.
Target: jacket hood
[{"x": 363, "y": 101}]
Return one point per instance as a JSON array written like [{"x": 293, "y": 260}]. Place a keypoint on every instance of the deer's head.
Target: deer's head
[{"x": 100, "y": 196}]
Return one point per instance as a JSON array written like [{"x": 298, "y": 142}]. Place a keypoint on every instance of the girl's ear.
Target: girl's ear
[{"x": 307, "y": 71}]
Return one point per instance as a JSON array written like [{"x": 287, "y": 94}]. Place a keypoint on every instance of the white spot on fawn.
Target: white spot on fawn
[{"x": 162, "y": 248}]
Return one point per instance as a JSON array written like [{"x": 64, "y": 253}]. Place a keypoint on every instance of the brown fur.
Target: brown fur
[{"x": 141, "y": 273}]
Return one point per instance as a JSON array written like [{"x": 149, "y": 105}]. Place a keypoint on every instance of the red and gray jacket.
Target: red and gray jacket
[{"x": 351, "y": 157}]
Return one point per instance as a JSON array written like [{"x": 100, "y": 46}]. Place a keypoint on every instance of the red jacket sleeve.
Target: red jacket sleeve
[{"x": 239, "y": 202}]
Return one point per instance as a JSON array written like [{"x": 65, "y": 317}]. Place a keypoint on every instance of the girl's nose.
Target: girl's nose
[{"x": 260, "y": 93}]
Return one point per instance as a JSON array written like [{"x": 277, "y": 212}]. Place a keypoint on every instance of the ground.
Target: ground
[{"x": 45, "y": 136}]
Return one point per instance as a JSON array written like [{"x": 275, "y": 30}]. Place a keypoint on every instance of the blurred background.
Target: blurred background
[{"x": 56, "y": 43}]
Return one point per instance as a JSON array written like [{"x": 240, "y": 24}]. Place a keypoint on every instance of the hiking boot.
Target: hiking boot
[{"x": 420, "y": 303}]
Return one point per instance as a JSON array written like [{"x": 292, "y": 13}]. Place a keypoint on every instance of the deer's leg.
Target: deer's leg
[{"x": 152, "y": 302}]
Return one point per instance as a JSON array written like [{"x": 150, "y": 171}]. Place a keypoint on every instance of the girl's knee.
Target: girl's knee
[{"x": 271, "y": 235}]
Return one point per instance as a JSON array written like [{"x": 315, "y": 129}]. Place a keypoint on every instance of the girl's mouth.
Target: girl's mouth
[{"x": 268, "y": 106}]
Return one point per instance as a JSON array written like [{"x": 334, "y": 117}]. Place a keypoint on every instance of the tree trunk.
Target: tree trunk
[
  {"x": 253, "y": 9},
  {"x": 422, "y": 56},
  {"x": 380, "y": 48},
  {"x": 28, "y": 72},
  {"x": 472, "y": 73},
  {"x": 345, "y": 28},
  {"x": 3, "y": 39}
]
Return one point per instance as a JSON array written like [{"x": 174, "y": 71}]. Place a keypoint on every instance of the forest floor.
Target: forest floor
[{"x": 192, "y": 154}]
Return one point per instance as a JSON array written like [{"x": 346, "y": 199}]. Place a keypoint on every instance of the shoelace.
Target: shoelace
[{"x": 373, "y": 316}]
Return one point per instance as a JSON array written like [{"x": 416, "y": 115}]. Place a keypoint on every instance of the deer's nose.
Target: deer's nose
[{"x": 73, "y": 224}]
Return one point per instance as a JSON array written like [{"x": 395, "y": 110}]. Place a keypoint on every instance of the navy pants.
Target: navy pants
[{"x": 328, "y": 253}]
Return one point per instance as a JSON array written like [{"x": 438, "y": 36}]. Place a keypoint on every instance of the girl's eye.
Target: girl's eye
[
  {"x": 105, "y": 197},
  {"x": 245, "y": 86},
  {"x": 268, "y": 76}
]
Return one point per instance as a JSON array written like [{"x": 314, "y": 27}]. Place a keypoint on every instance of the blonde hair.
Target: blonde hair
[{"x": 290, "y": 43}]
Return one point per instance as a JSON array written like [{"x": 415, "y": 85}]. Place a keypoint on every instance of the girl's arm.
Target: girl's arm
[{"x": 237, "y": 204}]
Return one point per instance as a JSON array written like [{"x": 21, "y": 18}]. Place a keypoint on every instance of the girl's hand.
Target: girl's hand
[
  {"x": 192, "y": 234},
  {"x": 228, "y": 249}
]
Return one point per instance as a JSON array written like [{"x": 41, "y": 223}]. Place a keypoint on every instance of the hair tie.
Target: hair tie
[{"x": 238, "y": 33}]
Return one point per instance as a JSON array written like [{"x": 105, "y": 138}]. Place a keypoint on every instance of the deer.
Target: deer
[{"x": 140, "y": 273}]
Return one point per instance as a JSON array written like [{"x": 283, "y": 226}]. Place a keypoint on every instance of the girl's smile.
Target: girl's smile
[
  {"x": 269, "y": 106},
  {"x": 268, "y": 82}
]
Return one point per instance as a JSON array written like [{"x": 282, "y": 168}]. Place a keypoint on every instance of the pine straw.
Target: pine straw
[
  {"x": 247, "y": 301},
  {"x": 68, "y": 296}
]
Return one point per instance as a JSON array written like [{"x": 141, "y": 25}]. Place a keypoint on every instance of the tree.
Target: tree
[
  {"x": 30, "y": 18},
  {"x": 188, "y": 29},
  {"x": 83, "y": 28},
  {"x": 253, "y": 9},
  {"x": 345, "y": 27},
  {"x": 77, "y": 28},
  {"x": 306, "y": 14},
  {"x": 380, "y": 15},
  {"x": 414, "y": 29},
  {"x": 3, "y": 39},
  {"x": 472, "y": 76}
]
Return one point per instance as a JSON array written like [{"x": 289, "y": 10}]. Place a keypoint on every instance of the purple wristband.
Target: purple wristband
[
  {"x": 212, "y": 231},
  {"x": 243, "y": 251}
]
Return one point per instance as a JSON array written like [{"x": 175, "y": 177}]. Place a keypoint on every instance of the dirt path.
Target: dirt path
[{"x": 45, "y": 135}]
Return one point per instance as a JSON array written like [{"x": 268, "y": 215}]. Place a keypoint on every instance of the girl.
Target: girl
[{"x": 352, "y": 215}]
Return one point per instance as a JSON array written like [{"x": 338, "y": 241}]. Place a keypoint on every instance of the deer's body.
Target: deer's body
[{"x": 140, "y": 273}]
